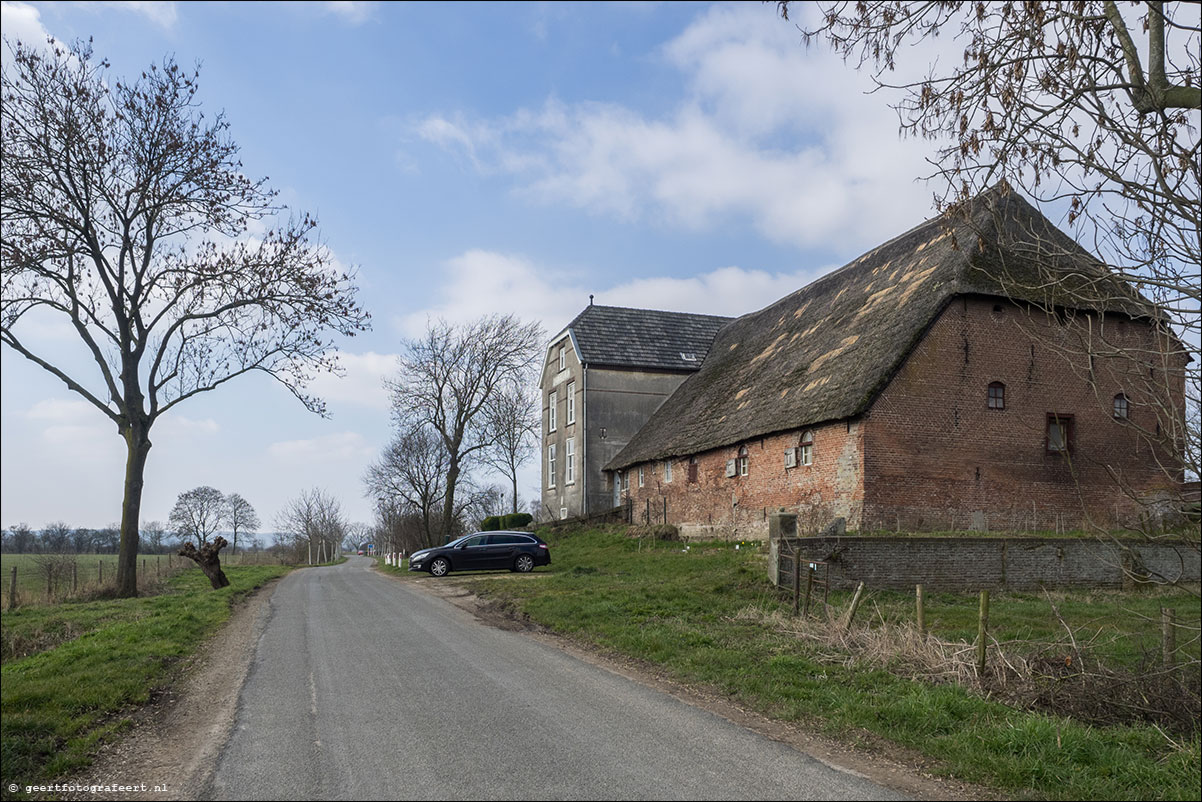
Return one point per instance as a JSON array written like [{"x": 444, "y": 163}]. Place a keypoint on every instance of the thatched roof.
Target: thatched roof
[
  {"x": 617, "y": 336},
  {"x": 824, "y": 352}
]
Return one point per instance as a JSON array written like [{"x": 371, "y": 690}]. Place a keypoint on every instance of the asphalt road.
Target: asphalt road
[{"x": 363, "y": 687}]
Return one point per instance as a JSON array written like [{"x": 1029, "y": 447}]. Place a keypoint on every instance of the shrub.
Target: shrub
[
  {"x": 517, "y": 519},
  {"x": 655, "y": 532},
  {"x": 492, "y": 523}
]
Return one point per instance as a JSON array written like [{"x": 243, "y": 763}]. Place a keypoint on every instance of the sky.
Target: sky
[{"x": 465, "y": 160}]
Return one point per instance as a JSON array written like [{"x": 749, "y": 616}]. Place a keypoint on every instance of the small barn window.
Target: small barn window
[
  {"x": 807, "y": 448},
  {"x": 640, "y": 476},
  {"x": 997, "y": 395},
  {"x": 743, "y": 461},
  {"x": 693, "y": 470},
  {"x": 1121, "y": 406},
  {"x": 1060, "y": 434},
  {"x": 667, "y": 470}
]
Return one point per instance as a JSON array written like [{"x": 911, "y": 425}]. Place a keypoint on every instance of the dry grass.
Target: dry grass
[{"x": 1064, "y": 677}]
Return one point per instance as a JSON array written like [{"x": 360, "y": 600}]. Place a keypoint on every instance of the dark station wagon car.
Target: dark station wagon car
[{"x": 517, "y": 551}]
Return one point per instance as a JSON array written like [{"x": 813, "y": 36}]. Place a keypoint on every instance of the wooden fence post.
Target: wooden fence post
[
  {"x": 796, "y": 578},
  {"x": 12, "y": 590},
  {"x": 922, "y": 622},
  {"x": 982, "y": 629},
  {"x": 855, "y": 605},
  {"x": 805, "y": 609},
  {"x": 1168, "y": 635},
  {"x": 74, "y": 576},
  {"x": 100, "y": 572}
]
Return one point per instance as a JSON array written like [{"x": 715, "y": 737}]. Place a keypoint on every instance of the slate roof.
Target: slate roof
[
  {"x": 824, "y": 352},
  {"x": 618, "y": 336}
]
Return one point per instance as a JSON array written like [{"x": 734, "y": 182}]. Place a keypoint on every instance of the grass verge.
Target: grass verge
[
  {"x": 96, "y": 662},
  {"x": 686, "y": 612}
]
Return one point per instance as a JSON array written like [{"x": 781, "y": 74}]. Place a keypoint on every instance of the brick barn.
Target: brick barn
[{"x": 980, "y": 371}]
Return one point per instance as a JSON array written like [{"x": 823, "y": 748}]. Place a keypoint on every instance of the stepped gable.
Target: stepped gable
[
  {"x": 824, "y": 352},
  {"x": 617, "y": 336}
]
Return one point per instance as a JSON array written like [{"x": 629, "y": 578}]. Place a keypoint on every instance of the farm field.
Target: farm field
[{"x": 80, "y": 576}]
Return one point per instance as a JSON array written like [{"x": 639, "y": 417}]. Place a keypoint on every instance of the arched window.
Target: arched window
[
  {"x": 807, "y": 448},
  {"x": 997, "y": 395},
  {"x": 743, "y": 460},
  {"x": 1121, "y": 406}
]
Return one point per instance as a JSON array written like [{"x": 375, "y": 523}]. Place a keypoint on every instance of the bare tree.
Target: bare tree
[
  {"x": 152, "y": 536},
  {"x": 1090, "y": 109},
  {"x": 450, "y": 379},
  {"x": 239, "y": 516},
  {"x": 56, "y": 537},
  {"x": 125, "y": 213},
  {"x": 21, "y": 539},
  {"x": 315, "y": 521},
  {"x": 196, "y": 516},
  {"x": 82, "y": 540},
  {"x": 107, "y": 539},
  {"x": 513, "y": 428},
  {"x": 412, "y": 473}
]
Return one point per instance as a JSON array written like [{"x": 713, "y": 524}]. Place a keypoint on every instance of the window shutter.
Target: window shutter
[
  {"x": 730, "y": 467},
  {"x": 790, "y": 457}
]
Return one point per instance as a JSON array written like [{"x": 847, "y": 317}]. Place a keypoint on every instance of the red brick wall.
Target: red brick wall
[
  {"x": 935, "y": 454},
  {"x": 931, "y": 455},
  {"x": 738, "y": 506}
]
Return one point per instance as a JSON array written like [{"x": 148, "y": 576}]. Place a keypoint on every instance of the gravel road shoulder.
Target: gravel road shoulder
[{"x": 176, "y": 739}]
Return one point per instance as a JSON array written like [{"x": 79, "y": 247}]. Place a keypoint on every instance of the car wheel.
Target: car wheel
[
  {"x": 440, "y": 567},
  {"x": 524, "y": 564}
]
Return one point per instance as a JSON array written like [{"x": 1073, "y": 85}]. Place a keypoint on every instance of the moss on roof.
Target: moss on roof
[{"x": 825, "y": 351}]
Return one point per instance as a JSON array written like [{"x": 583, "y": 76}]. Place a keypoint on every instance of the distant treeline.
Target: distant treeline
[{"x": 59, "y": 538}]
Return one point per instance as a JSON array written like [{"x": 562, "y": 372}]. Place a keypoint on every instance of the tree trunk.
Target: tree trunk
[
  {"x": 514, "y": 476},
  {"x": 137, "y": 441},
  {"x": 209, "y": 560},
  {"x": 448, "y": 502}
]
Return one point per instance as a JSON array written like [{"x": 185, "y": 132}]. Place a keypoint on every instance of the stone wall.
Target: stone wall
[{"x": 978, "y": 563}]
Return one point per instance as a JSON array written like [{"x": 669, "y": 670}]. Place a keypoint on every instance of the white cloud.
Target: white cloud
[
  {"x": 23, "y": 22},
  {"x": 362, "y": 382},
  {"x": 479, "y": 282},
  {"x": 175, "y": 425},
  {"x": 341, "y": 447},
  {"x": 163, "y": 14},
  {"x": 769, "y": 132},
  {"x": 351, "y": 11},
  {"x": 75, "y": 425}
]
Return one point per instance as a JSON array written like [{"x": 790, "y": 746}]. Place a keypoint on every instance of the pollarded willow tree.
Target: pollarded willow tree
[
  {"x": 197, "y": 515},
  {"x": 1091, "y": 109},
  {"x": 124, "y": 217}
]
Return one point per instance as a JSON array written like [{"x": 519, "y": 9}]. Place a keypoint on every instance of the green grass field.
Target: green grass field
[
  {"x": 709, "y": 616},
  {"x": 73, "y": 672},
  {"x": 91, "y": 573}
]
